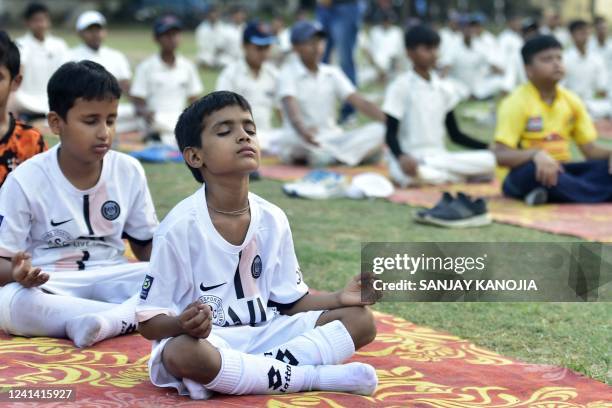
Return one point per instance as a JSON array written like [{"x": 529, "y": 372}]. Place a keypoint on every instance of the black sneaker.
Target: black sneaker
[
  {"x": 446, "y": 199},
  {"x": 462, "y": 212},
  {"x": 537, "y": 196}
]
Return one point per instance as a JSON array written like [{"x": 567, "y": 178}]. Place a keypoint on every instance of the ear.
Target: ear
[
  {"x": 16, "y": 82},
  {"x": 55, "y": 122},
  {"x": 193, "y": 157}
]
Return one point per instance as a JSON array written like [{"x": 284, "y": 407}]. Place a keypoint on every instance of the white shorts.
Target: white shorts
[
  {"x": 248, "y": 339},
  {"x": 111, "y": 284}
]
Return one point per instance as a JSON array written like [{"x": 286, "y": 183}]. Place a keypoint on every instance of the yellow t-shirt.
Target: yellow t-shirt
[{"x": 525, "y": 121}]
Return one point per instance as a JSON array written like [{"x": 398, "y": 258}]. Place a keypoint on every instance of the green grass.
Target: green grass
[{"x": 328, "y": 236}]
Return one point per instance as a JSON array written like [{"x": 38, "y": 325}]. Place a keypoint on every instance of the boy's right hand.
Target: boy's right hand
[
  {"x": 409, "y": 165},
  {"x": 24, "y": 274},
  {"x": 196, "y": 320},
  {"x": 310, "y": 136},
  {"x": 547, "y": 169}
]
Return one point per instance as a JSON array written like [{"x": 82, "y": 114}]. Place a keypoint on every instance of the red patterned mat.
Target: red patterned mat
[
  {"x": 416, "y": 366},
  {"x": 587, "y": 221}
]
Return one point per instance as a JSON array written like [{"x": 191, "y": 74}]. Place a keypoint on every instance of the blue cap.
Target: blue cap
[
  {"x": 258, "y": 34},
  {"x": 478, "y": 17},
  {"x": 304, "y": 30},
  {"x": 166, "y": 23}
]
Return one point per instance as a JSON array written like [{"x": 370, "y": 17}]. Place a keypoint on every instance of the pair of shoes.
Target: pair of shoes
[
  {"x": 318, "y": 185},
  {"x": 537, "y": 196},
  {"x": 456, "y": 212}
]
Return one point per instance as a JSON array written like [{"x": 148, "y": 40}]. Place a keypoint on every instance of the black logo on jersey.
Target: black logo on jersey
[
  {"x": 55, "y": 224},
  {"x": 146, "y": 286},
  {"x": 256, "y": 267},
  {"x": 207, "y": 288},
  {"x": 111, "y": 210}
]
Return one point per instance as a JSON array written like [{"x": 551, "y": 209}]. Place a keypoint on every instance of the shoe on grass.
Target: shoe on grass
[{"x": 461, "y": 212}]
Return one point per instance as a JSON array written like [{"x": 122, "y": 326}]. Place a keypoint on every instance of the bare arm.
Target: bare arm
[
  {"x": 160, "y": 327},
  {"x": 141, "y": 108},
  {"x": 196, "y": 321},
  {"x": 292, "y": 110},
  {"x": 6, "y": 271},
  {"x": 509, "y": 157},
  {"x": 593, "y": 151},
  {"x": 366, "y": 107},
  {"x": 141, "y": 250}
]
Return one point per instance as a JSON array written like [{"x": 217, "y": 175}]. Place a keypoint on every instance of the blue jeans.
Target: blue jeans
[
  {"x": 341, "y": 23},
  {"x": 582, "y": 182}
]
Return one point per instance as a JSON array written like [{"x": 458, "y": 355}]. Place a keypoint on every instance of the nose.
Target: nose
[
  {"x": 105, "y": 132},
  {"x": 243, "y": 136}
]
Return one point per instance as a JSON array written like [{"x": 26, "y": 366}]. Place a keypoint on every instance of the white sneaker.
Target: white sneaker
[{"x": 318, "y": 185}]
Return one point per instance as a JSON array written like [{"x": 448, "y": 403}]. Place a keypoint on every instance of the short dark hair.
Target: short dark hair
[
  {"x": 85, "y": 79},
  {"x": 190, "y": 124},
  {"x": 421, "y": 34},
  {"x": 34, "y": 8},
  {"x": 577, "y": 25},
  {"x": 9, "y": 54},
  {"x": 538, "y": 44}
]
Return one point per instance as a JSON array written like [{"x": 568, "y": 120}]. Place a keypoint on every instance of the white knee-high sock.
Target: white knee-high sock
[
  {"x": 90, "y": 328},
  {"x": 35, "y": 313},
  {"x": 243, "y": 373},
  {"x": 327, "y": 344}
]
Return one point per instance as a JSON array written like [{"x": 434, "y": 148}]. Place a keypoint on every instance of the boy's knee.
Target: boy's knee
[
  {"x": 186, "y": 357},
  {"x": 369, "y": 325},
  {"x": 362, "y": 325}
]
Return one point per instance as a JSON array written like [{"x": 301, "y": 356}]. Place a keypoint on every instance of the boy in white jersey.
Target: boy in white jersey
[
  {"x": 416, "y": 131},
  {"x": 63, "y": 217},
  {"x": 225, "y": 301},
  {"x": 255, "y": 78}
]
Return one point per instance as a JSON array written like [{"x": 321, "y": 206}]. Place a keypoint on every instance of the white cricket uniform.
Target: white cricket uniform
[
  {"x": 115, "y": 62},
  {"x": 166, "y": 89},
  {"x": 449, "y": 39},
  {"x": 76, "y": 235},
  {"x": 260, "y": 91},
  {"x": 242, "y": 284},
  {"x": 386, "y": 46},
  {"x": 218, "y": 44},
  {"x": 471, "y": 66},
  {"x": 317, "y": 95},
  {"x": 39, "y": 60},
  {"x": 586, "y": 75},
  {"x": 562, "y": 35},
  {"x": 422, "y": 132}
]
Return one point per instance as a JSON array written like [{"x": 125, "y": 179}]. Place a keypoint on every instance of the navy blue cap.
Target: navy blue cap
[
  {"x": 258, "y": 34},
  {"x": 165, "y": 24},
  {"x": 304, "y": 30}
]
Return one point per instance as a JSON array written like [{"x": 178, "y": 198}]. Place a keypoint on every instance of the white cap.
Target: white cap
[
  {"x": 89, "y": 18},
  {"x": 371, "y": 185}
]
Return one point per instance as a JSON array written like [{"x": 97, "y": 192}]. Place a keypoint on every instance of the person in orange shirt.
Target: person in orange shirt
[
  {"x": 18, "y": 141},
  {"x": 536, "y": 125}
]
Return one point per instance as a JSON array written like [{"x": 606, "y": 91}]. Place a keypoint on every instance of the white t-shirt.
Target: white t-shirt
[
  {"x": 386, "y": 45},
  {"x": 166, "y": 88},
  {"x": 219, "y": 43},
  {"x": 64, "y": 228},
  {"x": 39, "y": 60},
  {"x": 317, "y": 94},
  {"x": 260, "y": 91},
  {"x": 241, "y": 283},
  {"x": 421, "y": 107},
  {"x": 468, "y": 65},
  {"x": 584, "y": 74},
  {"x": 114, "y": 61}
]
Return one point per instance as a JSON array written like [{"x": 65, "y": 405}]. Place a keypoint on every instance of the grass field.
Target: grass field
[{"x": 328, "y": 236}]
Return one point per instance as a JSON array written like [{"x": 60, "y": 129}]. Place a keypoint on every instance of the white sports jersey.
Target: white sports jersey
[
  {"x": 317, "y": 94},
  {"x": 114, "y": 61},
  {"x": 67, "y": 229},
  {"x": 166, "y": 88},
  {"x": 39, "y": 60},
  {"x": 260, "y": 91},
  {"x": 585, "y": 74},
  {"x": 241, "y": 283},
  {"x": 422, "y": 130}
]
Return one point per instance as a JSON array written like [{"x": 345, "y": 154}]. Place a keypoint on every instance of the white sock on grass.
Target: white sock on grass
[
  {"x": 243, "y": 373},
  {"x": 327, "y": 344}
]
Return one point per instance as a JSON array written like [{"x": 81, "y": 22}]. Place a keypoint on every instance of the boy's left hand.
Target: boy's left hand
[{"x": 351, "y": 294}]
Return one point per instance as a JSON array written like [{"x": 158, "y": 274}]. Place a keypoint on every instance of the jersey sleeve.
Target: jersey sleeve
[
  {"x": 286, "y": 84},
  {"x": 166, "y": 287},
  {"x": 289, "y": 285},
  {"x": 394, "y": 104},
  {"x": 584, "y": 130},
  {"x": 510, "y": 123},
  {"x": 141, "y": 221},
  {"x": 224, "y": 82},
  {"x": 15, "y": 218},
  {"x": 139, "y": 84},
  {"x": 343, "y": 86}
]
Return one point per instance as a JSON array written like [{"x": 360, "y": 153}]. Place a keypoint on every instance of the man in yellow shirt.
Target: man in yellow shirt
[{"x": 536, "y": 124}]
